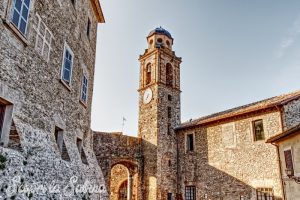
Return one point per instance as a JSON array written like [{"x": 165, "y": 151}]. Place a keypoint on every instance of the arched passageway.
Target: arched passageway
[{"x": 123, "y": 181}]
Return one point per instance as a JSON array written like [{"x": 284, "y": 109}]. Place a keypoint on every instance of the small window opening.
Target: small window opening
[
  {"x": 59, "y": 137},
  {"x": 169, "y": 129},
  {"x": 169, "y": 75},
  {"x": 148, "y": 74},
  {"x": 169, "y": 97},
  {"x": 81, "y": 151},
  {"x": 258, "y": 129},
  {"x": 169, "y": 112},
  {"x": 169, "y": 163},
  {"x": 170, "y": 196},
  {"x": 168, "y": 43},
  {"x": 2, "y": 114},
  {"x": 88, "y": 31},
  {"x": 190, "y": 193},
  {"x": 265, "y": 193},
  {"x": 190, "y": 142},
  {"x": 289, "y": 160}
]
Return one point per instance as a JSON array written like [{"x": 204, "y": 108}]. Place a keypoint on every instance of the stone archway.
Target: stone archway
[{"x": 123, "y": 181}]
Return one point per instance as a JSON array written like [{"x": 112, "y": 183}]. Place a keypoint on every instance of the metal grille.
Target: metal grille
[
  {"x": 190, "y": 193},
  {"x": 123, "y": 191},
  {"x": 2, "y": 113},
  {"x": 265, "y": 194}
]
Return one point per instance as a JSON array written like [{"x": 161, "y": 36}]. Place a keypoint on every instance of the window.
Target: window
[
  {"x": 169, "y": 75},
  {"x": 289, "y": 160},
  {"x": 84, "y": 89},
  {"x": 67, "y": 65},
  {"x": 6, "y": 111},
  {"x": 148, "y": 73},
  {"x": 88, "y": 29},
  {"x": 265, "y": 194},
  {"x": 258, "y": 129},
  {"x": 190, "y": 142},
  {"x": 169, "y": 196},
  {"x": 169, "y": 97},
  {"x": 81, "y": 151},
  {"x": 169, "y": 129},
  {"x": 190, "y": 193},
  {"x": 2, "y": 114},
  {"x": 73, "y": 2},
  {"x": 169, "y": 112},
  {"x": 59, "y": 138},
  {"x": 169, "y": 163},
  {"x": 43, "y": 39},
  {"x": 20, "y": 14}
]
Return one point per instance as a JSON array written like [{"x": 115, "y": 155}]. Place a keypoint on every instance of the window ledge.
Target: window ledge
[
  {"x": 67, "y": 86},
  {"x": 84, "y": 104},
  {"x": 15, "y": 30}
]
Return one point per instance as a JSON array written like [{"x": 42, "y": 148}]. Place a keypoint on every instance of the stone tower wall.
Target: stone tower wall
[{"x": 158, "y": 118}]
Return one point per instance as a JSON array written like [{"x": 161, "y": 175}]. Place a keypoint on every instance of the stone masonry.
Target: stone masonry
[{"x": 39, "y": 105}]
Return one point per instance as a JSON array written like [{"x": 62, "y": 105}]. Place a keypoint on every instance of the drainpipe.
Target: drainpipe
[{"x": 278, "y": 155}]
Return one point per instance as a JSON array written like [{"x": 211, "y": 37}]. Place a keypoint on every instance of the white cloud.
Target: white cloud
[{"x": 290, "y": 39}]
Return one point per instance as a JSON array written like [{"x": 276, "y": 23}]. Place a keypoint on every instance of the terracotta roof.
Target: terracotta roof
[
  {"x": 290, "y": 132},
  {"x": 259, "y": 105}
]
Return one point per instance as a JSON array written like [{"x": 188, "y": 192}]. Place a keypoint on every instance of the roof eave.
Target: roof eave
[
  {"x": 98, "y": 11},
  {"x": 288, "y": 133}
]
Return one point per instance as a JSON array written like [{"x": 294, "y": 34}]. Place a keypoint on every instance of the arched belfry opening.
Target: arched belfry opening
[
  {"x": 169, "y": 74},
  {"x": 123, "y": 181},
  {"x": 148, "y": 74}
]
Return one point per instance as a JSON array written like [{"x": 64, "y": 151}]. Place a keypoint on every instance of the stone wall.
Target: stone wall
[
  {"x": 31, "y": 83},
  {"x": 114, "y": 149},
  {"x": 291, "y": 114},
  {"x": 292, "y": 189},
  {"x": 227, "y": 162}
]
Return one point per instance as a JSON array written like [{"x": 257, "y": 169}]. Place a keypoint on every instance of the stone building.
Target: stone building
[
  {"x": 220, "y": 156},
  {"x": 288, "y": 145},
  {"x": 47, "y": 58}
]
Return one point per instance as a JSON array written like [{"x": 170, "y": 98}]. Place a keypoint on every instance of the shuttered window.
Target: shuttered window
[
  {"x": 190, "y": 142},
  {"x": 289, "y": 160}
]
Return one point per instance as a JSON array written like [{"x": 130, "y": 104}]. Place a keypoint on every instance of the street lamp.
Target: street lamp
[{"x": 290, "y": 173}]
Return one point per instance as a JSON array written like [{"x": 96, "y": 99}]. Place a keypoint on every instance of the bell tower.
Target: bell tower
[{"x": 159, "y": 113}]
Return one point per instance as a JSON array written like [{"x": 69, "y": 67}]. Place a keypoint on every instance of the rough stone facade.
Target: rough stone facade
[
  {"x": 291, "y": 114},
  {"x": 37, "y": 102},
  {"x": 227, "y": 162}
]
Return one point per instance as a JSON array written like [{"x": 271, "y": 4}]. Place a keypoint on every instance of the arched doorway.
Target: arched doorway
[{"x": 123, "y": 181}]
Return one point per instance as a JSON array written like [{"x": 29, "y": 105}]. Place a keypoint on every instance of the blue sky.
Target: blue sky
[{"x": 234, "y": 52}]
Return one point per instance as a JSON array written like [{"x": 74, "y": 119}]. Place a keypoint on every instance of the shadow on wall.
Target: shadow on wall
[{"x": 198, "y": 177}]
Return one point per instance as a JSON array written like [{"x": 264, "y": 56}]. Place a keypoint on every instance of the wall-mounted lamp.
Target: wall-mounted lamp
[{"x": 290, "y": 174}]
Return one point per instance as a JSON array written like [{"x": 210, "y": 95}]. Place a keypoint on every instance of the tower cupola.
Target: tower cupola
[{"x": 160, "y": 38}]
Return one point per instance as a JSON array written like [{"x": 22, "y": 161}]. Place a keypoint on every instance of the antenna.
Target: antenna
[{"x": 123, "y": 123}]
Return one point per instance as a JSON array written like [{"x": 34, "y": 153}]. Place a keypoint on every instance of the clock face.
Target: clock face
[{"x": 147, "y": 96}]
